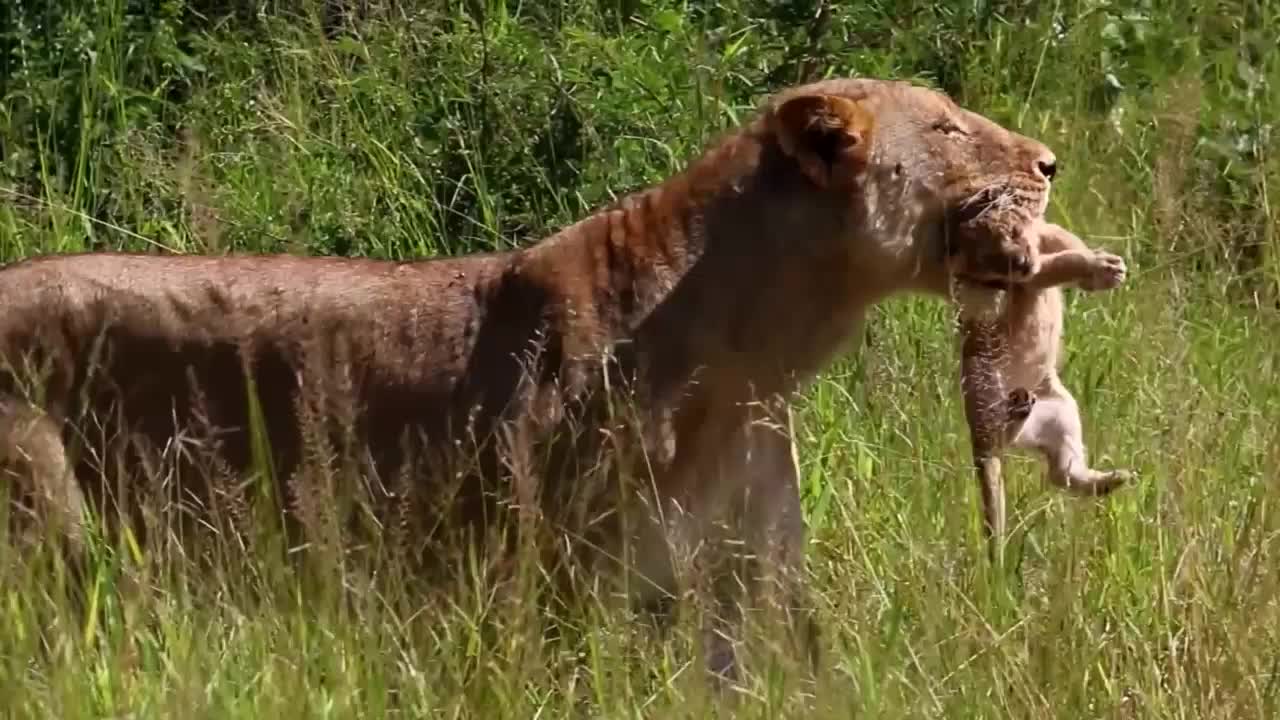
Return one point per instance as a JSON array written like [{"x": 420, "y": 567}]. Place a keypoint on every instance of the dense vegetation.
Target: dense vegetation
[{"x": 405, "y": 129}]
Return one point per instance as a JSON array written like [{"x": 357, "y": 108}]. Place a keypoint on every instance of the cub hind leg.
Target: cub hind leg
[{"x": 1054, "y": 428}]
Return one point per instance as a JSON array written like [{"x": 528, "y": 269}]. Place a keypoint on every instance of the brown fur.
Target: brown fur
[
  {"x": 1013, "y": 395},
  {"x": 713, "y": 295}
]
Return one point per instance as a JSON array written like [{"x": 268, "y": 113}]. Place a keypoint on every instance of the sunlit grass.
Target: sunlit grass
[{"x": 431, "y": 134}]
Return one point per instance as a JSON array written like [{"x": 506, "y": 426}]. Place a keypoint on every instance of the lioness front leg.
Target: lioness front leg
[
  {"x": 1054, "y": 429},
  {"x": 776, "y": 529},
  {"x": 765, "y": 567}
]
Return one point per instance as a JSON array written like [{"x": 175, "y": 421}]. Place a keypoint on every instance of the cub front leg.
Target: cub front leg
[
  {"x": 1066, "y": 260},
  {"x": 1107, "y": 272}
]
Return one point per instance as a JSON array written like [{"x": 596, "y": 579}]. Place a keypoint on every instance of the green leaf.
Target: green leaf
[{"x": 669, "y": 21}]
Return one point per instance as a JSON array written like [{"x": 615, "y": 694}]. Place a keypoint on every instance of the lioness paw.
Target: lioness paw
[{"x": 1108, "y": 272}]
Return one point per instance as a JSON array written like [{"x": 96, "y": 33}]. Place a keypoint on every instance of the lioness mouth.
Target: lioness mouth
[
  {"x": 998, "y": 271},
  {"x": 985, "y": 232},
  {"x": 989, "y": 283}
]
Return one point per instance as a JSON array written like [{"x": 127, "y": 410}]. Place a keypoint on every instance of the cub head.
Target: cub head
[{"x": 918, "y": 172}]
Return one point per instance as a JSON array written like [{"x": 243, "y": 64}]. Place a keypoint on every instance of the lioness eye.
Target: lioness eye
[{"x": 947, "y": 127}]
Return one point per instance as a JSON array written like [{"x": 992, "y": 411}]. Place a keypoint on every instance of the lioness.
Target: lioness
[
  {"x": 713, "y": 295},
  {"x": 1011, "y": 348}
]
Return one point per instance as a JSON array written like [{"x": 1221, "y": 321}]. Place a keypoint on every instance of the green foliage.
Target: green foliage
[{"x": 394, "y": 128}]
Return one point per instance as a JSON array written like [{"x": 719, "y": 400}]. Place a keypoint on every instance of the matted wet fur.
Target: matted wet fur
[
  {"x": 1010, "y": 357},
  {"x": 709, "y": 297}
]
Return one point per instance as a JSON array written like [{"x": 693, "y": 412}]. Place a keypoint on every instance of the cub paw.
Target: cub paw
[
  {"x": 1108, "y": 272},
  {"x": 1107, "y": 482},
  {"x": 1018, "y": 404}
]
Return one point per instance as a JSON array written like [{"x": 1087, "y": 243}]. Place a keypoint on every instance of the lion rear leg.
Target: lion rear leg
[
  {"x": 1054, "y": 429},
  {"x": 33, "y": 460}
]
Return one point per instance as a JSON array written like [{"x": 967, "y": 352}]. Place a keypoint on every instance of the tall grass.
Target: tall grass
[{"x": 408, "y": 129}]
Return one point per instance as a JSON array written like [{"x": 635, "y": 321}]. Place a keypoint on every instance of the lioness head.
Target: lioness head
[{"x": 919, "y": 167}]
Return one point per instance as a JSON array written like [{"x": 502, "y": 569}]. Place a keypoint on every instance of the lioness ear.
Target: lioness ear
[{"x": 826, "y": 134}]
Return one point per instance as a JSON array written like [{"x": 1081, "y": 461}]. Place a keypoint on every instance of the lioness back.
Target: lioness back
[{"x": 168, "y": 332}]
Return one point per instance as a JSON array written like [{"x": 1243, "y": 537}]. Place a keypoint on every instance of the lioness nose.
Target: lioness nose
[
  {"x": 1048, "y": 166},
  {"x": 1021, "y": 264}
]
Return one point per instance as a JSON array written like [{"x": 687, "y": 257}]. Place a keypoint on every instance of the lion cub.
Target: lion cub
[{"x": 1012, "y": 338}]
